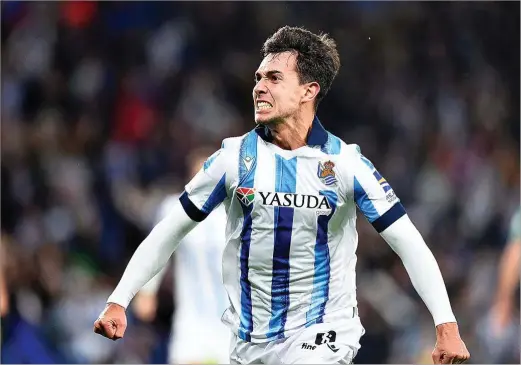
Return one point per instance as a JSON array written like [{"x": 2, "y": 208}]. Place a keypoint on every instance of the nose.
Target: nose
[{"x": 260, "y": 88}]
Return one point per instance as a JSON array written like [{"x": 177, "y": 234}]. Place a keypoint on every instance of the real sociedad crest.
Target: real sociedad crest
[{"x": 326, "y": 174}]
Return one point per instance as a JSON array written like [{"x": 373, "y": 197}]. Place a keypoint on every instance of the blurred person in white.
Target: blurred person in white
[
  {"x": 291, "y": 191},
  {"x": 198, "y": 336}
]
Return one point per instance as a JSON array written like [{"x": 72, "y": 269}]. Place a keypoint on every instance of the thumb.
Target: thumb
[{"x": 119, "y": 330}]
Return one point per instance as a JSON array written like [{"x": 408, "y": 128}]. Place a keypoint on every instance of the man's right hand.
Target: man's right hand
[{"x": 112, "y": 322}]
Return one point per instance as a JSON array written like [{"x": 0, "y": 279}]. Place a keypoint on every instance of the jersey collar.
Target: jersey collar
[{"x": 317, "y": 136}]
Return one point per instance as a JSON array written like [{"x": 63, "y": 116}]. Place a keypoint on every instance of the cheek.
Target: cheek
[
  {"x": 294, "y": 98},
  {"x": 288, "y": 96}
]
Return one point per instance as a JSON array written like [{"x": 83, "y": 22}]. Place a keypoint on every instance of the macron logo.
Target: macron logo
[{"x": 248, "y": 161}]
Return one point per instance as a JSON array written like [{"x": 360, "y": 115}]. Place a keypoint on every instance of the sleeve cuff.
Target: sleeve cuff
[
  {"x": 191, "y": 210},
  {"x": 389, "y": 217}
]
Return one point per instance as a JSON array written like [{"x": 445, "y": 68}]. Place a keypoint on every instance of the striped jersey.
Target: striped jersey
[{"x": 291, "y": 238}]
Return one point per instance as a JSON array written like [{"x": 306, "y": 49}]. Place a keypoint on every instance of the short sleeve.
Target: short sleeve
[
  {"x": 208, "y": 188},
  {"x": 374, "y": 196}
]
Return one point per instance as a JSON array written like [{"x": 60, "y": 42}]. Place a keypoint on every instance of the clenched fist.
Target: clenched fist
[
  {"x": 112, "y": 322},
  {"x": 450, "y": 348}
]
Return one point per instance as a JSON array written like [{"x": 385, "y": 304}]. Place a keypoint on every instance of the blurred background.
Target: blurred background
[{"x": 102, "y": 101}]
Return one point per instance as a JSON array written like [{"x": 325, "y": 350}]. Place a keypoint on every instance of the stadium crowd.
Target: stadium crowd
[{"x": 102, "y": 101}]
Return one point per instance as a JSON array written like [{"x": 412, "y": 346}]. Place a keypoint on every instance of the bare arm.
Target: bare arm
[{"x": 508, "y": 279}]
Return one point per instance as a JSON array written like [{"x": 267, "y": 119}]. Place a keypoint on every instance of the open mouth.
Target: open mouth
[{"x": 263, "y": 105}]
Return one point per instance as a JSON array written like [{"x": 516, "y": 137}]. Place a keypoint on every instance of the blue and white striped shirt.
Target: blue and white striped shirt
[{"x": 291, "y": 234}]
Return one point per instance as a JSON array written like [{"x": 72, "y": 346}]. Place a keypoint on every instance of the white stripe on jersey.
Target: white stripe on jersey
[{"x": 291, "y": 233}]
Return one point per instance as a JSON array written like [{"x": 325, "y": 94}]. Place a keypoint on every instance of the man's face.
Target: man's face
[{"x": 277, "y": 93}]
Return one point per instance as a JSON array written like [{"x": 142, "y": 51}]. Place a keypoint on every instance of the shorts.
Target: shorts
[{"x": 321, "y": 343}]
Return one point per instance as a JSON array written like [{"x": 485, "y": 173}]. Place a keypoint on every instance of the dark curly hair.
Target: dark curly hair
[{"x": 317, "y": 56}]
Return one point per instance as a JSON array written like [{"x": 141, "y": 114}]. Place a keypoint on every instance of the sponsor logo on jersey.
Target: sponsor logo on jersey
[
  {"x": 307, "y": 346},
  {"x": 328, "y": 339},
  {"x": 326, "y": 174},
  {"x": 248, "y": 161},
  {"x": 291, "y": 200},
  {"x": 246, "y": 195},
  {"x": 383, "y": 183},
  {"x": 294, "y": 200}
]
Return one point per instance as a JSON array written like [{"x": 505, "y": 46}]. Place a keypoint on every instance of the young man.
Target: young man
[
  {"x": 198, "y": 336},
  {"x": 291, "y": 189}
]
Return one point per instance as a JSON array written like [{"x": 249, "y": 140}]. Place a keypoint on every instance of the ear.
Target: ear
[{"x": 311, "y": 91}]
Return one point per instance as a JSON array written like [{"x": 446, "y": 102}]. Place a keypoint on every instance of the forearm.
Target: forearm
[
  {"x": 152, "y": 255},
  {"x": 509, "y": 272},
  {"x": 403, "y": 237},
  {"x": 152, "y": 286}
]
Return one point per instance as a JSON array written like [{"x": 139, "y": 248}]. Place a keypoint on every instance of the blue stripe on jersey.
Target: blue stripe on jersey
[
  {"x": 216, "y": 197},
  {"x": 364, "y": 203},
  {"x": 332, "y": 146},
  {"x": 246, "y": 180},
  {"x": 285, "y": 182},
  {"x": 320, "y": 293},
  {"x": 389, "y": 217}
]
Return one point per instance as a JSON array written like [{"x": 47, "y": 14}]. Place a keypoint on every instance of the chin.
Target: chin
[
  {"x": 267, "y": 120},
  {"x": 262, "y": 121}
]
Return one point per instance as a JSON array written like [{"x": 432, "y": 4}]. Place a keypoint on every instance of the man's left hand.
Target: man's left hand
[{"x": 450, "y": 348}]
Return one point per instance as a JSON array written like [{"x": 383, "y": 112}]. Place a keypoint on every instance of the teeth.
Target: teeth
[{"x": 261, "y": 105}]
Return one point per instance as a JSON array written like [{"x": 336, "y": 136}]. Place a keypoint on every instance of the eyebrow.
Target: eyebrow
[{"x": 269, "y": 73}]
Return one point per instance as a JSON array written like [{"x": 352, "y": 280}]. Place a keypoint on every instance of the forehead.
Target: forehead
[{"x": 285, "y": 62}]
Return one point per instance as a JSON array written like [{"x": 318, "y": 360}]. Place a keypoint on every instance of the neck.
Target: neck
[{"x": 292, "y": 133}]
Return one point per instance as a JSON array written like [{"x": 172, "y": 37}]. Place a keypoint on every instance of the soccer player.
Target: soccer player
[
  {"x": 198, "y": 336},
  {"x": 291, "y": 189}
]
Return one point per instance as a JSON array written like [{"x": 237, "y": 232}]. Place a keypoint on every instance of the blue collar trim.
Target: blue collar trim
[{"x": 317, "y": 135}]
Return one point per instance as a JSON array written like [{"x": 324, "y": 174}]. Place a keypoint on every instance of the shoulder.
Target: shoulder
[
  {"x": 346, "y": 153},
  {"x": 232, "y": 143},
  {"x": 337, "y": 146},
  {"x": 232, "y": 149},
  {"x": 224, "y": 156},
  {"x": 352, "y": 155}
]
